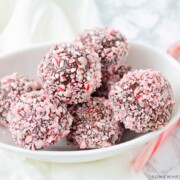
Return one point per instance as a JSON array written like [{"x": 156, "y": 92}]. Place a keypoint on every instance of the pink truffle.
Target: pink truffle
[
  {"x": 11, "y": 87},
  {"x": 111, "y": 46},
  {"x": 93, "y": 125},
  {"x": 108, "y": 81},
  {"x": 70, "y": 73},
  {"x": 142, "y": 100},
  {"x": 36, "y": 122}
]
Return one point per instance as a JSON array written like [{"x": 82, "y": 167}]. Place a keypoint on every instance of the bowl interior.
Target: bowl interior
[{"x": 140, "y": 57}]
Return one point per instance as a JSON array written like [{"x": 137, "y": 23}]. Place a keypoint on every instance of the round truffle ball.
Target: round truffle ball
[
  {"x": 111, "y": 46},
  {"x": 108, "y": 81},
  {"x": 70, "y": 73},
  {"x": 11, "y": 87},
  {"x": 94, "y": 126},
  {"x": 142, "y": 100},
  {"x": 36, "y": 122}
]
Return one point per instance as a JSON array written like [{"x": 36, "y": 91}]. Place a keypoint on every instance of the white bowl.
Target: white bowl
[{"x": 140, "y": 56}]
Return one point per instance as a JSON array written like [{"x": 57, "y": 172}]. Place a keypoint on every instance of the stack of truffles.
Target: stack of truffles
[{"x": 85, "y": 93}]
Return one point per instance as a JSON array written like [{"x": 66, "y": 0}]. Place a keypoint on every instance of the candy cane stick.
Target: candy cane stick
[
  {"x": 139, "y": 162},
  {"x": 174, "y": 50}
]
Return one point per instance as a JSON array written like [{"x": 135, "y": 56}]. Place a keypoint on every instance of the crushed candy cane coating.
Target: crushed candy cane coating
[
  {"x": 94, "y": 126},
  {"x": 111, "y": 46},
  {"x": 142, "y": 100},
  {"x": 11, "y": 87},
  {"x": 70, "y": 73},
  {"x": 36, "y": 122},
  {"x": 108, "y": 80}
]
